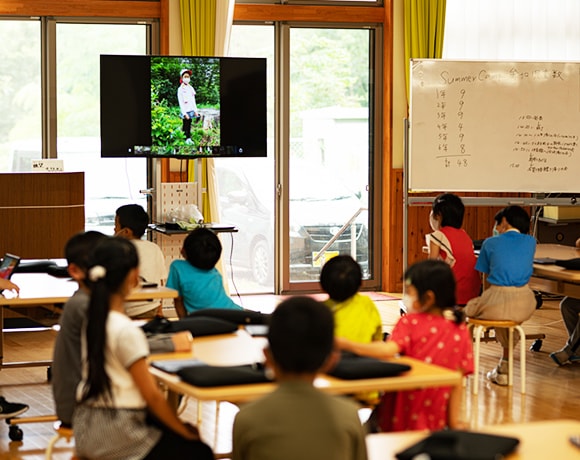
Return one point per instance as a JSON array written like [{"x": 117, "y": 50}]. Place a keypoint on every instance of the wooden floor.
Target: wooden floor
[{"x": 552, "y": 392}]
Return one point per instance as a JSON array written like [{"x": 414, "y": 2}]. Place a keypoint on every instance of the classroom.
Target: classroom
[{"x": 340, "y": 170}]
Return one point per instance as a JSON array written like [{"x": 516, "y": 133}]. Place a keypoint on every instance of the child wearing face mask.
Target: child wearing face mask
[
  {"x": 450, "y": 243},
  {"x": 507, "y": 262},
  {"x": 425, "y": 333},
  {"x": 187, "y": 105}
]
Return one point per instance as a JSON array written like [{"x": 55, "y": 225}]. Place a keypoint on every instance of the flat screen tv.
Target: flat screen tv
[{"x": 149, "y": 109}]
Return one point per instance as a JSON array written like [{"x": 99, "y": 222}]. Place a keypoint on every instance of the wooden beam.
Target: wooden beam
[
  {"x": 289, "y": 13},
  {"x": 79, "y": 8}
]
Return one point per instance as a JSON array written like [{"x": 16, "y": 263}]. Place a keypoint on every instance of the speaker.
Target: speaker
[{"x": 565, "y": 233}]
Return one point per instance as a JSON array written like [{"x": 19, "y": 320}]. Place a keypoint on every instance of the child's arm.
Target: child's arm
[
  {"x": 376, "y": 349},
  {"x": 180, "y": 307},
  {"x": 156, "y": 403},
  {"x": 378, "y": 334},
  {"x": 433, "y": 250}
]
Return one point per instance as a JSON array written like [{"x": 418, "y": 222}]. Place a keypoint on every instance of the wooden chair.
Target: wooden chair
[{"x": 479, "y": 326}]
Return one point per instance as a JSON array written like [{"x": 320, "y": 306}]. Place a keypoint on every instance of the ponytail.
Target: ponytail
[
  {"x": 98, "y": 381},
  {"x": 110, "y": 264}
]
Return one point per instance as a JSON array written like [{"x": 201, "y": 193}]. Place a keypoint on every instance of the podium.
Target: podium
[{"x": 40, "y": 212}]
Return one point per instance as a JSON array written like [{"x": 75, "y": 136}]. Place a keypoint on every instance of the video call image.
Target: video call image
[{"x": 185, "y": 105}]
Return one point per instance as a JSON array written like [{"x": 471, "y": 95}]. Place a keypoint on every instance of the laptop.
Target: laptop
[{"x": 9, "y": 263}]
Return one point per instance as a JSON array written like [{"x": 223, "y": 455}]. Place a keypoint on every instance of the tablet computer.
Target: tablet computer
[{"x": 9, "y": 263}]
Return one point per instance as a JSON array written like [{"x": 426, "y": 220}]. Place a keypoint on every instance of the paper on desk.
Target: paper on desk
[{"x": 237, "y": 350}]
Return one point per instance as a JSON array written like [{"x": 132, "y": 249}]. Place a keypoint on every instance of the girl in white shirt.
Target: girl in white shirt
[{"x": 121, "y": 412}]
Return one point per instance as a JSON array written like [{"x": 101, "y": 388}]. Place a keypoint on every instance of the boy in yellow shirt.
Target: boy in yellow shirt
[{"x": 355, "y": 315}]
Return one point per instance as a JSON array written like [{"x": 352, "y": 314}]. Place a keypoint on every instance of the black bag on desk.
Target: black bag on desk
[
  {"x": 234, "y": 316},
  {"x": 34, "y": 266},
  {"x": 570, "y": 264},
  {"x": 215, "y": 376},
  {"x": 352, "y": 367},
  {"x": 198, "y": 326},
  {"x": 461, "y": 445}
]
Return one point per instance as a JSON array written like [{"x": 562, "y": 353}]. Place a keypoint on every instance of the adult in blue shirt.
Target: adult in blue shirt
[{"x": 507, "y": 260}]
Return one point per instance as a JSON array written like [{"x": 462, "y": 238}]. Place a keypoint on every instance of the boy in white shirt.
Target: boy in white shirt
[{"x": 131, "y": 221}]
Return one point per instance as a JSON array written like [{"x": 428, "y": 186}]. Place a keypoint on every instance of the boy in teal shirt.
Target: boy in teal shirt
[{"x": 196, "y": 279}]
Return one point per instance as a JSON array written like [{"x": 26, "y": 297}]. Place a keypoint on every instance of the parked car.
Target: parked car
[
  {"x": 320, "y": 206},
  {"x": 318, "y": 211},
  {"x": 253, "y": 247}
]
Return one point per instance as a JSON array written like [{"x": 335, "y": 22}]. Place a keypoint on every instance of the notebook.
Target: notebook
[
  {"x": 9, "y": 263},
  {"x": 257, "y": 330}
]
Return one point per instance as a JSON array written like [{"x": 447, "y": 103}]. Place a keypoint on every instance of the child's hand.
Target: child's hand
[
  {"x": 182, "y": 341},
  {"x": 7, "y": 284}
]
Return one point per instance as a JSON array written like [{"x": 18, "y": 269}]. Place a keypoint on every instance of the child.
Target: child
[
  {"x": 453, "y": 245},
  {"x": 187, "y": 105},
  {"x": 131, "y": 221},
  {"x": 117, "y": 392},
  {"x": 507, "y": 259},
  {"x": 196, "y": 279},
  {"x": 66, "y": 361},
  {"x": 424, "y": 333},
  {"x": 297, "y": 421},
  {"x": 355, "y": 315}
]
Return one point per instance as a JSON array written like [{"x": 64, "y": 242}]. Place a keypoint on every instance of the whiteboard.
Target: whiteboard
[{"x": 494, "y": 126}]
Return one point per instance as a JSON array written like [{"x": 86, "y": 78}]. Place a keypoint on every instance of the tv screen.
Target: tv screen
[{"x": 182, "y": 106}]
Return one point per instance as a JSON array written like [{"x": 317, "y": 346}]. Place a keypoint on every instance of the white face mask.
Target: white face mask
[
  {"x": 495, "y": 231},
  {"x": 408, "y": 302},
  {"x": 186, "y": 80}
]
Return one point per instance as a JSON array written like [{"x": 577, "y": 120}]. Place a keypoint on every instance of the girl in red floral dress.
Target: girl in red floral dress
[{"x": 429, "y": 334}]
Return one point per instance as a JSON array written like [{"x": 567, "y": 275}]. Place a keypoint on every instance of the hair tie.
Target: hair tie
[{"x": 97, "y": 272}]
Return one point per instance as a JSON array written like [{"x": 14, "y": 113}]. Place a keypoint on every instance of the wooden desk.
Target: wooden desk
[
  {"x": 241, "y": 348},
  {"x": 538, "y": 440},
  {"x": 37, "y": 289},
  {"x": 555, "y": 279}
]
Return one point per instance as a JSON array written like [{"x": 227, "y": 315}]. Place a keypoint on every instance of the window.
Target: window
[
  {"x": 21, "y": 94},
  {"x": 316, "y": 181},
  {"x": 109, "y": 182},
  {"x": 70, "y": 87}
]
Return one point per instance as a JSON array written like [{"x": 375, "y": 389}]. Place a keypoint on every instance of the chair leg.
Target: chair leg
[
  {"x": 511, "y": 357},
  {"x": 522, "y": 358},
  {"x": 50, "y": 446},
  {"x": 477, "y": 330}
]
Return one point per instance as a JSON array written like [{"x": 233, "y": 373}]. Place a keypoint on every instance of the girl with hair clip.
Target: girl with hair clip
[
  {"x": 429, "y": 334},
  {"x": 121, "y": 413}
]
